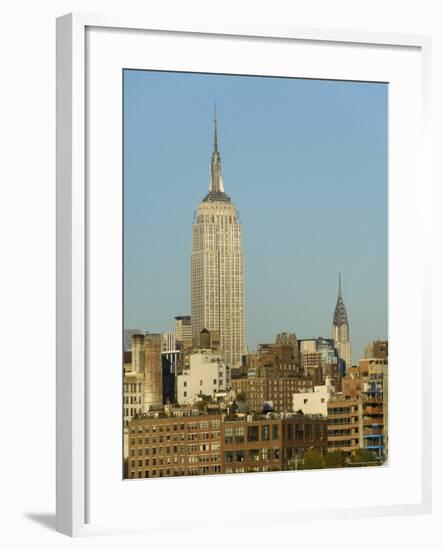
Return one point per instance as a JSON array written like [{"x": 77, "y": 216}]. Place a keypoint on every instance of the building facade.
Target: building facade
[
  {"x": 186, "y": 442},
  {"x": 344, "y": 425},
  {"x": 182, "y": 443},
  {"x": 314, "y": 402},
  {"x": 168, "y": 342},
  {"x": 143, "y": 376},
  {"x": 206, "y": 375},
  {"x": 374, "y": 412},
  {"x": 259, "y": 391},
  {"x": 341, "y": 332},
  {"x": 183, "y": 332},
  {"x": 266, "y": 443},
  {"x": 217, "y": 280},
  {"x": 378, "y": 349}
]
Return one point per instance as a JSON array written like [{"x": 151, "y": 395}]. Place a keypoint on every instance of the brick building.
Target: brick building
[
  {"x": 277, "y": 391},
  {"x": 267, "y": 443},
  {"x": 184, "y": 443}
]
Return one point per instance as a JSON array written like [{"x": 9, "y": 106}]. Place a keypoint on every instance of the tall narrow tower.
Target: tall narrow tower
[
  {"x": 217, "y": 280},
  {"x": 341, "y": 330}
]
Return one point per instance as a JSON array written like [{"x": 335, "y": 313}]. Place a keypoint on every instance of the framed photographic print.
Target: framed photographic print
[{"x": 241, "y": 221}]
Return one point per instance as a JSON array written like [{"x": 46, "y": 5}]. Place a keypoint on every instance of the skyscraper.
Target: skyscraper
[
  {"x": 341, "y": 330},
  {"x": 217, "y": 285}
]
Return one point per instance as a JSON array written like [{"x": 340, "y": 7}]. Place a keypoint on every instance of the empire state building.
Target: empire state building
[{"x": 217, "y": 278}]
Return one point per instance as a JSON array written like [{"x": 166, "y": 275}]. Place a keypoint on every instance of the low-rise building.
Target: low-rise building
[
  {"x": 181, "y": 442},
  {"x": 186, "y": 441},
  {"x": 263, "y": 443}
]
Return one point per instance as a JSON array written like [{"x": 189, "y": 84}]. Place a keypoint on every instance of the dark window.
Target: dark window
[
  {"x": 253, "y": 433},
  {"x": 239, "y": 456},
  {"x": 290, "y": 432}
]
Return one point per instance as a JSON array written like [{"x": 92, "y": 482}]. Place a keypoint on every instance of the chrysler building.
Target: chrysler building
[
  {"x": 217, "y": 278},
  {"x": 341, "y": 330}
]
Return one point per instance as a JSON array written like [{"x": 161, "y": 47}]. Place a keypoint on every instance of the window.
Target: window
[
  {"x": 299, "y": 432},
  {"x": 239, "y": 456},
  {"x": 228, "y": 456},
  {"x": 254, "y": 455},
  {"x": 253, "y": 433},
  {"x": 275, "y": 431},
  {"x": 185, "y": 384},
  {"x": 265, "y": 433},
  {"x": 239, "y": 435},
  {"x": 228, "y": 435}
]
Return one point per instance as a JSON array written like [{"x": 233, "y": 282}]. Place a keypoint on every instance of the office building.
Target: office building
[
  {"x": 217, "y": 280},
  {"x": 341, "y": 332}
]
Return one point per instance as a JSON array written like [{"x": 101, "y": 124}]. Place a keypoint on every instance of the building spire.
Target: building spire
[
  {"x": 215, "y": 131},
  {"x": 216, "y": 180},
  {"x": 340, "y": 316}
]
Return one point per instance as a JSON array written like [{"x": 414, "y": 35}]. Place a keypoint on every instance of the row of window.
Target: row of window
[
  {"x": 133, "y": 399},
  {"x": 166, "y": 472},
  {"x": 236, "y": 435},
  {"x": 201, "y": 436},
  {"x": 173, "y": 449},
  {"x": 175, "y": 427},
  {"x": 132, "y": 387},
  {"x": 160, "y": 461},
  {"x": 252, "y": 455},
  {"x": 342, "y": 410}
]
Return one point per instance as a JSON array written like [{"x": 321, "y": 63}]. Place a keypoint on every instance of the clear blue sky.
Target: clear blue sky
[{"x": 305, "y": 162}]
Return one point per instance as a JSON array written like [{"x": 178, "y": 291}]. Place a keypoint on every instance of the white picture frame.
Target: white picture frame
[{"x": 76, "y": 487}]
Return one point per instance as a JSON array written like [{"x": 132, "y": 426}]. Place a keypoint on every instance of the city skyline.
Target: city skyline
[{"x": 289, "y": 298}]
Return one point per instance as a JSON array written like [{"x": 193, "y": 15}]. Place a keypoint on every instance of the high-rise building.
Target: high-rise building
[
  {"x": 217, "y": 287},
  {"x": 341, "y": 331},
  {"x": 168, "y": 341},
  {"x": 183, "y": 332}
]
